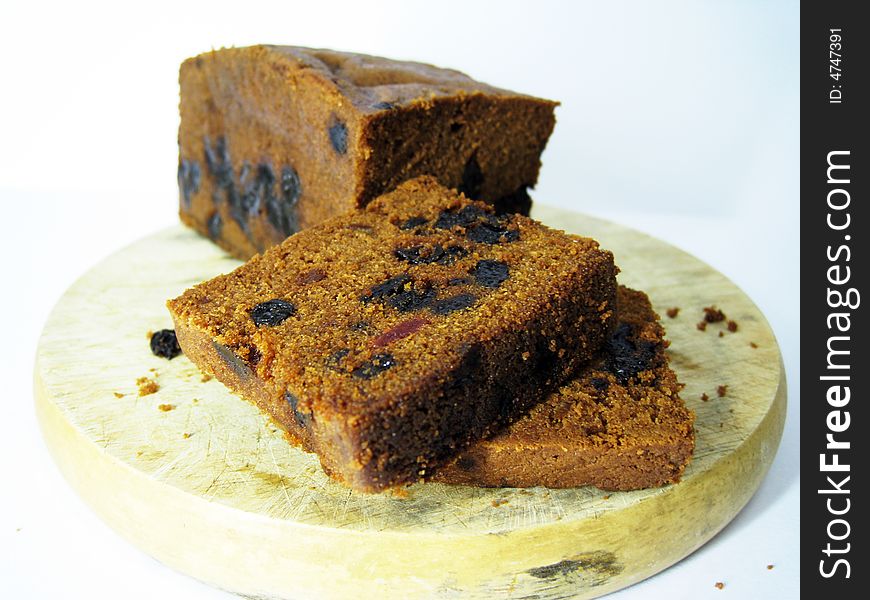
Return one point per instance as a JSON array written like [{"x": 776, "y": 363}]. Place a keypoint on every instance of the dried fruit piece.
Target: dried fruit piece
[
  {"x": 302, "y": 418},
  {"x": 338, "y": 136},
  {"x": 411, "y": 300},
  {"x": 272, "y": 312},
  {"x": 165, "y": 344},
  {"x": 449, "y": 305},
  {"x": 626, "y": 357},
  {"x": 472, "y": 178},
  {"x": 374, "y": 367},
  {"x": 390, "y": 287},
  {"x": 490, "y": 273},
  {"x": 400, "y": 331},
  {"x": 413, "y": 223},
  {"x": 215, "y": 225},
  {"x": 435, "y": 255}
]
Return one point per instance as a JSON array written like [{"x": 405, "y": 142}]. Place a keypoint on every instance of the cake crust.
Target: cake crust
[
  {"x": 388, "y": 339},
  {"x": 618, "y": 425}
]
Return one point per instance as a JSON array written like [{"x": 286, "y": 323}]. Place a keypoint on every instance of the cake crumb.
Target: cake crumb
[
  {"x": 721, "y": 391},
  {"x": 119, "y": 395},
  {"x": 186, "y": 435},
  {"x": 147, "y": 386},
  {"x": 704, "y": 397},
  {"x": 753, "y": 345},
  {"x": 196, "y": 400},
  {"x": 713, "y": 314},
  {"x": 769, "y": 567},
  {"x": 166, "y": 407},
  {"x": 719, "y": 585},
  {"x": 721, "y": 334},
  {"x": 605, "y": 497},
  {"x": 149, "y": 334},
  {"x": 732, "y": 326},
  {"x": 673, "y": 312},
  {"x": 400, "y": 492},
  {"x": 498, "y": 502},
  {"x": 702, "y": 326},
  {"x": 205, "y": 377}
]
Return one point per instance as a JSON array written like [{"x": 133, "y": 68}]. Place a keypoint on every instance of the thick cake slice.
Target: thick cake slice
[
  {"x": 619, "y": 425},
  {"x": 274, "y": 139},
  {"x": 388, "y": 339}
]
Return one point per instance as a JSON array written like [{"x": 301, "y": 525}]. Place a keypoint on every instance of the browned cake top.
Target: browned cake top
[
  {"x": 373, "y": 83},
  {"x": 354, "y": 311},
  {"x": 627, "y": 396}
]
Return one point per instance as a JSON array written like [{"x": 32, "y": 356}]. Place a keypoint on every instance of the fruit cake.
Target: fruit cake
[
  {"x": 274, "y": 139},
  {"x": 388, "y": 339},
  {"x": 619, "y": 424}
]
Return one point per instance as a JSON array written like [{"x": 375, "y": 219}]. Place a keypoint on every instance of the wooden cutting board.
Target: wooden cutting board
[{"x": 203, "y": 482}]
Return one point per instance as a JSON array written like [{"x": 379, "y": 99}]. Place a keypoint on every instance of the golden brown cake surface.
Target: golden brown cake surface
[
  {"x": 274, "y": 139},
  {"x": 388, "y": 339},
  {"x": 618, "y": 425}
]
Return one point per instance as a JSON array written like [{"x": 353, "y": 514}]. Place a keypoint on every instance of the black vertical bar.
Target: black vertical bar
[{"x": 835, "y": 365}]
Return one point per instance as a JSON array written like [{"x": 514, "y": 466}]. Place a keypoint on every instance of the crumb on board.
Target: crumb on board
[
  {"x": 721, "y": 334},
  {"x": 119, "y": 395},
  {"x": 153, "y": 370},
  {"x": 732, "y": 326},
  {"x": 196, "y": 400},
  {"x": 147, "y": 386},
  {"x": 769, "y": 567},
  {"x": 753, "y": 345},
  {"x": 673, "y": 312},
  {"x": 702, "y": 326},
  {"x": 713, "y": 314},
  {"x": 205, "y": 377},
  {"x": 704, "y": 397},
  {"x": 186, "y": 435},
  {"x": 498, "y": 502},
  {"x": 606, "y": 497},
  {"x": 721, "y": 391},
  {"x": 166, "y": 407},
  {"x": 149, "y": 334},
  {"x": 719, "y": 585},
  {"x": 399, "y": 492}
]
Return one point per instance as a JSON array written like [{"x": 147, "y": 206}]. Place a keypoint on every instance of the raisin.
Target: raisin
[
  {"x": 338, "y": 136},
  {"x": 458, "y": 281},
  {"x": 384, "y": 105},
  {"x": 600, "y": 384},
  {"x": 411, "y": 300},
  {"x": 302, "y": 419},
  {"x": 413, "y": 223},
  {"x": 189, "y": 179},
  {"x": 217, "y": 161},
  {"x": 215, "y": 225},
  {"x": 487, "y": 233},
  {"x": 281, "y": 211},
  {"x": 438, "y": 255},
  {"x": 452, "y": 304},
  {"x": 313, "y": 276},
  {"x": 374, "y": 367},
  {"x": 333, "y": 361},
  {"x": 272, "y": 312},
  {"x": 490, "y": 273},
  {"x": 165, "y": 344},
  {"x": 627, "y": 356},
  {"x": 468, "y": 215},
  {"x": 390, "y": 287},
  {"x": 472, "y": 178}
]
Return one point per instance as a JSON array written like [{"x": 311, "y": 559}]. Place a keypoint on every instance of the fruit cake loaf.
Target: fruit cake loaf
[
  {"x": 388, "y": 339},
  {"x": 274, "y": 139},
  {"x": 618, "y": 425}
]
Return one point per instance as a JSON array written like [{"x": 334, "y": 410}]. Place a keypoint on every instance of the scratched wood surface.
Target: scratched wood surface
[{"x": 203, "y": 482}]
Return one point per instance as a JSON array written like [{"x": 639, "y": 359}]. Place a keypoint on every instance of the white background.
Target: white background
[{"x": 678, "y": 118}]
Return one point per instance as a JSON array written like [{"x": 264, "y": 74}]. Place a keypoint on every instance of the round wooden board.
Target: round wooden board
[{"x": 206, "y": 484}]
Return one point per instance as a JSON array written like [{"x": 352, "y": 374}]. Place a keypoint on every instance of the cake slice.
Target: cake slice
[
  {"x": 619, "y": 425},
  {"x": 274, "y": 139},
  {"x": 388, "y": 339}
]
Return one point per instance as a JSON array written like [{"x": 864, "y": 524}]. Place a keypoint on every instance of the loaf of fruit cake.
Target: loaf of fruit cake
[
  {"x": 274, "y": 139},
  {"x": 619, "y": 424},
  {"x": 388, "y": 339}
]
